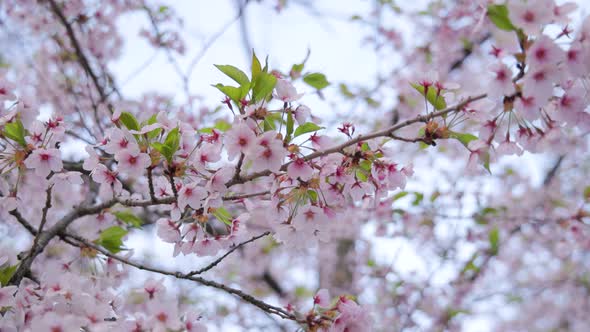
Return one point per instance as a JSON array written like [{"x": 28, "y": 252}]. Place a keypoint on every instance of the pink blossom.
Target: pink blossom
[
  {"x": 43, "y": 161},
  {"x": 268, "y": 154},
  {"x": 192, "y": 195},
  {"x": 7, "y": 296},
  {"x": 501, "y": 83},
  {"x": 120, "y": 141},
  {"x": 238, "y": 140},
  {"x": 322, "y": 298},
  {"x": 110, "y": 185},
  {"x": 299, "y": 168},
  {"x": 168, "y": 230},
  {"x": 207, "y": 247},
  {"x": 6, "y": 88},
  {"x": 352, "y": 318},
  {"x": 530, "y": 15},
  {"x": 92, "y": 160},
  {"x": 286, "y": 92},
  {"x": 538, "y": 82},
  {"x": 544, "y": 52},
  {"x": 132, "y": 163}
]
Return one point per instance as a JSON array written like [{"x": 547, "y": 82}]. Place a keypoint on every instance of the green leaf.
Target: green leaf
[
  {"x": 112, "y": 238},
  {"x": 296, "y": 70},
  {"x": 494, "y": 238},
  {"x": 419, "y": 197},
  {"x": 486, "y": 161},
  {"x": 498, "y": 14},
  {"x": 269, "y": 123},
  {"x": 222, "y": 125},
  {"x": 129, "y": 121},
  {"x": 156, "y": 132},
  {"x": 463, "y": 138},
  {"x": 316, "y": 80},
  {"x": 454, "y": 312},
  {"x": 307, "y": 128},
  {"x": 361, "y": 175},
  {"x": 234, "y": 93},
  {"x": 234, "y": 73},
  {"x": 290, "y": 124},
  {"x": 223, "y": 215},
  {"x": 16, "y": 132},
  {"x": 435, "y": 100},
  {"x": 366, "y": 165},
  {"x": 6, "y": 273},
  {"x": 587, "y": 194},
  {"x": 399, "y": 195},
  {"x": 170, "y": 145},
  {"x": 256, "y": 67},
  {"x": 129, "y": 218},
  {"x": 313, "y": 196},
  {"x": 345, "y": 91},
  {"x": 421, "y": 133},
  {"x": 371, "y": 102},
  {"x": 263, "y": 86}
]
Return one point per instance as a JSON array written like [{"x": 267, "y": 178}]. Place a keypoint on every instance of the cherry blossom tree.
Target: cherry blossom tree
[{"x": 432, "y": 168}]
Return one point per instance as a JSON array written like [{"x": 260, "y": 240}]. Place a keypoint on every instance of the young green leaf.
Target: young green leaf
[
  {"x": 6, "y": 272},
  {"x": 313, "y": 196},
  {"x": 234, "y": 73},
  {"x": 222, "y": 125},
  {"x": 306, "y": 128},
  {"x": 234, "y": 93},
  {"x": 112, "y": 238},
  {"x": 170, "y": 145},
  {"x": 498, "y": 14},
  {"x": 129, "y": 121},
  {"x": 296, "y": 70},
  {"x": 223, "y": 215},
  {"x": 256, "y": 67},
  {"x": 433, "y": 98},
  {"x": 316, "y": 80},
  {"x": 290, "y": 124},
  {"x": 494, "y": 238},
  {"x": 263, "y": 86},
  {"x": 464, "y": 138},
  {"x": 129, "y": 218},
  {"x": 16, "y": 132}
]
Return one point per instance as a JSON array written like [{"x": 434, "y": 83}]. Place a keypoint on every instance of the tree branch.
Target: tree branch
[
  {"x": 217, "y": 261},
  {"x": 244, "y": 296},
  {"x": 381, "y": 133}
]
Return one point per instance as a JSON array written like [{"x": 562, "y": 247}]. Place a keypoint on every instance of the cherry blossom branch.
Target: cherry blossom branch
[
  {"x": 151, "y": 184},
  {"x": 43, "y": 238},
  {"x": 82, "y": 59},
  {"x": 387, "y": 132},
  {"x": 234, "y": 248},
  {"x": 21, "y": 220},
  {"x": 553, "y": 171},
  {"x": 43, "y": 217},
  {"x": 244, "y": 296}
]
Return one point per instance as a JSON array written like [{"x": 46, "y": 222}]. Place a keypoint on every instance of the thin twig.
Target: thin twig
[
  {"x": 217, "y": 261},
  {"x": 361, "y": 138},
  {"x": 244, "y": 296}
]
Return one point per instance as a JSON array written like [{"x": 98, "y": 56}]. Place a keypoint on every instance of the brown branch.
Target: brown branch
[
  {"x": 43, "y": 217},
  {"x": 381, "y": 133},
  {"x": 244, "y": 296},
  {"x": 45, "y": 237},
  {"x": 553, "y": 171},
  {"x": 21, "y": 220},
  {"x": 234, "y": 248},
  {"x": 151, "y": 184},
  {"x": 82, "y": 59}
]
